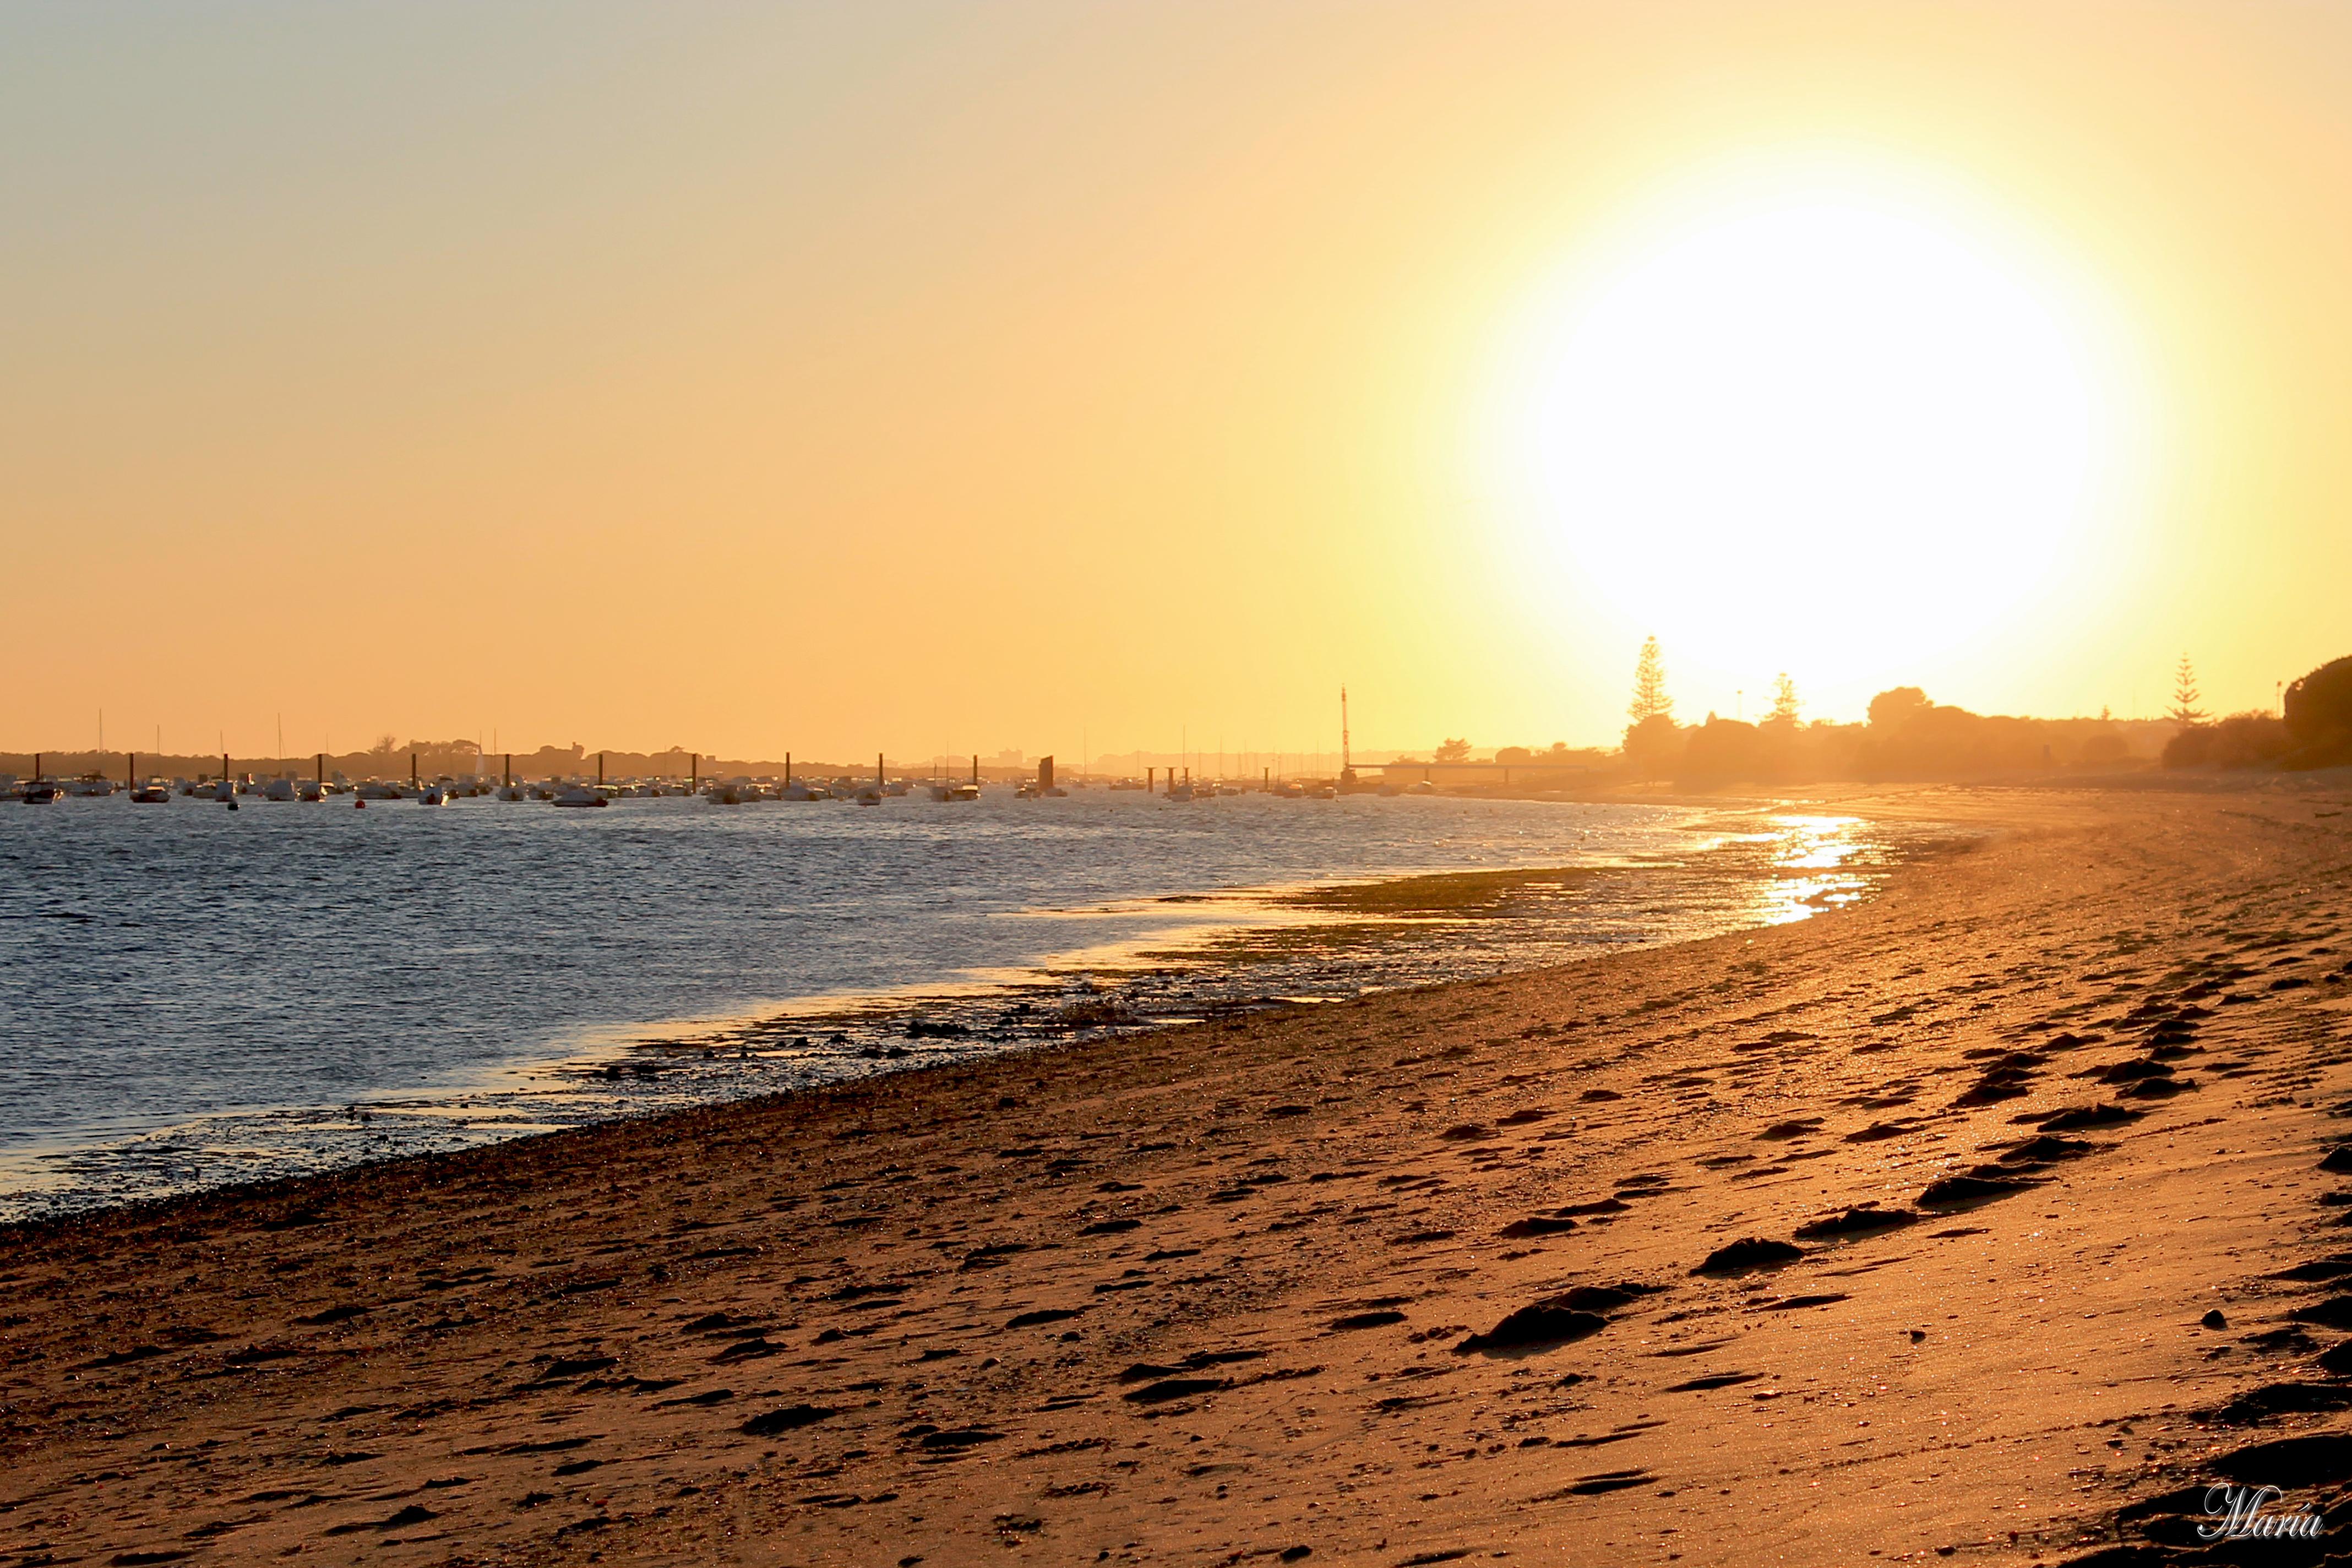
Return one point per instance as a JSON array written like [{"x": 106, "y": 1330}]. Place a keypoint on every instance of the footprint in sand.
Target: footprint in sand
[
  {"x": 1563, "y": 1319},
  {"x": 1355, "y": 1320},
  {"x": 2076, "y": 1117},
  {"x": 1713, "y": 1380},
  {"x": 1538, "y": 1225},
  {"x": 1606, "y": 1481},
  {"x": 1866, "y": 1219},
  {"x": 1968, "y": 1191},
  {"x": 1748, "y": 1255}
]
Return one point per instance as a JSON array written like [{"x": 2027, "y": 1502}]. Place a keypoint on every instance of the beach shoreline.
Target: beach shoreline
[
  {"x": 1180, "y": 956},
  {"x": 1202, "y": 1293}
]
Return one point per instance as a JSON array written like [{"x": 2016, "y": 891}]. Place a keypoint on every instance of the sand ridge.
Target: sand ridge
[{"x": 1895, "y": 1233}]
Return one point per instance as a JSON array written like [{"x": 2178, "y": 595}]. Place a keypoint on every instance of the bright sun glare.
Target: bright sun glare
[{"x": 1821, "y": 435}]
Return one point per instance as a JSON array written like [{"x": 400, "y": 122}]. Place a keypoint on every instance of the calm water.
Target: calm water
[{"x": 190, "y": 996}]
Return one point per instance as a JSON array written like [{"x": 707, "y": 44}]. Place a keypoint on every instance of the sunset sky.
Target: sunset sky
[{"x": 943, "y": 378}]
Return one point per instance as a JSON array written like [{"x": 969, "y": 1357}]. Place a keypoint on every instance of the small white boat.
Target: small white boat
[
  {"x": 433, "y": 795},
  {"x": 279, "y": 789},
  {"x": 154, "y": 791},
  {"x": 1181, "y": 791},
  {"x": 578, "y": 795}
]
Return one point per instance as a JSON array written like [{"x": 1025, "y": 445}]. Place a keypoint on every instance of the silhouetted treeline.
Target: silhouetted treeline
[
  {"x": 2316, "y": 730},
  {"x": 1909, "y": 737},
  {"x": 1906, "y": 736}
]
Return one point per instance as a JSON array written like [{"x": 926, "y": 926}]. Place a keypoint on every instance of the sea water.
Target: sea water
[{"x": 191, "y": 995}]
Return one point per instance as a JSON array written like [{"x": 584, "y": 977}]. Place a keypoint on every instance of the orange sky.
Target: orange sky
[{"x": 951, "y": 378}]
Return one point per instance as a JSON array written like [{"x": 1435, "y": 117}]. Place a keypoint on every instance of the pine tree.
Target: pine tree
[
  {"x": 1785, "y": 705},
  {"x": 1650, "y": 699},
  {"x": 2184, "y": 709}
]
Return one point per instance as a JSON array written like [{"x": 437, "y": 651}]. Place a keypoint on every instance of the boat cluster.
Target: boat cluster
[
  {"x": 230, "y": 788},
  {"x": 1188, "y": 788}
]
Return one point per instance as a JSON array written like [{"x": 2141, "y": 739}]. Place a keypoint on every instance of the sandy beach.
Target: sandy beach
[{"x": 1992, "y": 1219}]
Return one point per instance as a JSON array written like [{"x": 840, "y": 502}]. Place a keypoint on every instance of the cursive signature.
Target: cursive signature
[{"x": 2237, "y": 1514}]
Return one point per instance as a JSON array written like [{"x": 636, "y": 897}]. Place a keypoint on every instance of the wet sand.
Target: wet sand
[{"x": 1891, "y": 1233}]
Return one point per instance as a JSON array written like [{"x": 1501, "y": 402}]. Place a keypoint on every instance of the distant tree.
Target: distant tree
[
  {"x": 1653, "y": 745},
  {"x": 2318, "y": 715},
  {"x": 1453, "y": 751},
  {"x": 1899, "y": 705},
  {"x": 1650, "y": 699},
  {"x": 1785, "y": 706},
  {"x": 2240, "y": 740},
  {"x": 2184, "y": 710},
  {"x": 385, "y": 745}
]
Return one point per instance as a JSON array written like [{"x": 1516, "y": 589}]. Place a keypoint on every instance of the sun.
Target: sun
[{"x": 1816, "y": 433}]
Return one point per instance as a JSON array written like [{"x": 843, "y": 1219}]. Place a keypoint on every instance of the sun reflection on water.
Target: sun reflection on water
[{"x": 1814, "y": 862}]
